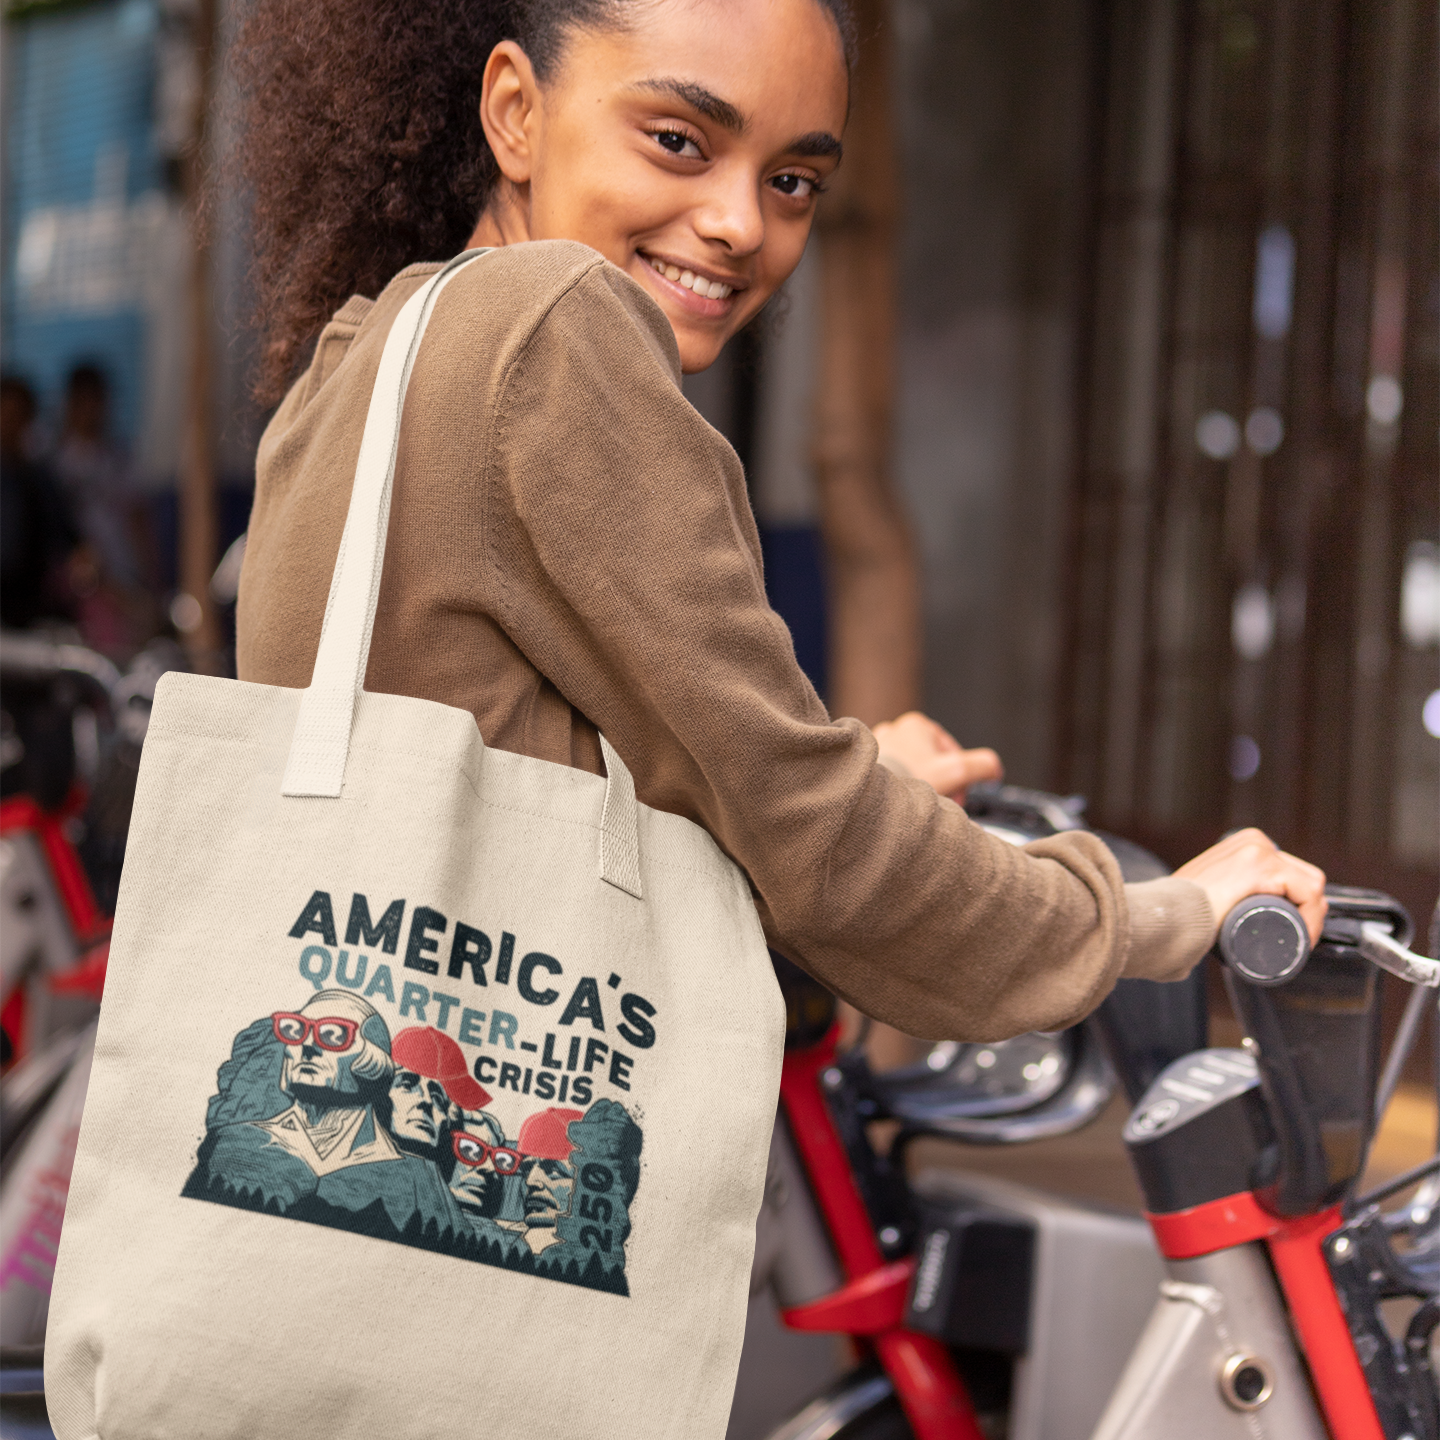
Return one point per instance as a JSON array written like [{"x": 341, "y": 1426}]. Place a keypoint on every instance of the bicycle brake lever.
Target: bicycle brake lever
[{"x": 1380, "y": 948}]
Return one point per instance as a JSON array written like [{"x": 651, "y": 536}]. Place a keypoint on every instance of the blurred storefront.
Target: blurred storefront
[
  {"x": 1258, "y": 474},
  {"x": 98, "y": 254},
  {"x": 93, "y": 237},
  {"x": 1164, "y": 419}
]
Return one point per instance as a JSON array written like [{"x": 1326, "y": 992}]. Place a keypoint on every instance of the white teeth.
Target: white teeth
[{"x": 710, "y": 289}]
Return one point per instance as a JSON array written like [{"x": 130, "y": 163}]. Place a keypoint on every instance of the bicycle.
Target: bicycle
[
  {"x": 73, "y": 744},
  {"x": 973, "y": 1301}
]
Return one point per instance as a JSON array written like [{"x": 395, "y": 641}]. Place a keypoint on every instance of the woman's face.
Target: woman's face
[{"x": 686, "y": 147}]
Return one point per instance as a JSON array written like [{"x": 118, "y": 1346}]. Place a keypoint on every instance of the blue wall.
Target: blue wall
[{"x": 79, "y": 87}]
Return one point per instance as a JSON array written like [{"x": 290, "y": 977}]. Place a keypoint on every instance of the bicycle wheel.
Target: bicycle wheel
[
  {"x": 886, "y": 1421},
  {"x": 859, "y": 1406}
]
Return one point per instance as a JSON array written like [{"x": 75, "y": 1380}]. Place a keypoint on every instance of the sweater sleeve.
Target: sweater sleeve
[
  {"x": 624, "y": 563},
  {"x": 1171, "y": 928}
]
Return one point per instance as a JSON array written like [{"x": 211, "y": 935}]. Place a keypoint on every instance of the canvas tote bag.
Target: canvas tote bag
[{"x": 433, "y": 1085}]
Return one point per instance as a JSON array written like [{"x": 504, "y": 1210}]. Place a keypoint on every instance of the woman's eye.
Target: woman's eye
[
  {"x": 677, "y": 142},
  {"x": 798, "y": 187}
]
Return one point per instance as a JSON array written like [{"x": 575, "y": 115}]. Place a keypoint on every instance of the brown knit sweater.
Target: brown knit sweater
[{"x": 571, "y": 546}]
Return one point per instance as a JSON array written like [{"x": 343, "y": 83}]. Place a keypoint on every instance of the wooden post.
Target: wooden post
[
  {"x": 1108, "y": 662},
  {"x": 194, "y": 610},
  {"x": 872, "y": 581},
  {"x": 873, "y": 586}
]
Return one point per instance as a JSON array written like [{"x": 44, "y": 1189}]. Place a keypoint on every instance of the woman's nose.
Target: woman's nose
[{"x": 730, "y": 213}]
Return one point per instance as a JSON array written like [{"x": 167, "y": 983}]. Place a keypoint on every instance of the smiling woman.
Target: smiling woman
[
  {"x": 376, "y": 133},
  {"x": 693, "y": 169},
  {"x": 570, "y": 547}
]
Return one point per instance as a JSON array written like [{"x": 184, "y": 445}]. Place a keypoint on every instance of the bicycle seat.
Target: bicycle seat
[
  {"x": 1035, "y": 1085},
  {"x": 1040, "y": 1085},
  {"x": 1145, "y": 1025},
  {"x": 1026, "y": 814},
  {"x": 960, "y": 1078},
  {"x": 1005, "y": 1093}
]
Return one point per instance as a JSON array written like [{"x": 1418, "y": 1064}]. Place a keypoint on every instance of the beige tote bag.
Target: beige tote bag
[{"x": 433, "y": 1085}]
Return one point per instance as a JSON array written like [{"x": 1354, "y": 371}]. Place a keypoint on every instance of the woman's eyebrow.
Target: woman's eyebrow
[
  {"x": 698, "y": 98},
  {"x": 819, "y": 144}
]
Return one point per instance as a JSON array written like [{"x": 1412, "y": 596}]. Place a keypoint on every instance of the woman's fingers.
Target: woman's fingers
[
  {"x": 944, "y": 740},
  {"x": 981, "y": 764},
  {"x": 1308, "y": 879},
  {"x": 1305, "y": 888},
  {"x": 1250, "y": 841},
  {"x": 1250, "y": 863},
  {"x": 915, "y": 731},
  {"x": 953, "y": 774},
  {"x": 948, "y": 774},
  {"x": 1265, "y": 869},
  {"x": 930, "y": 753}
]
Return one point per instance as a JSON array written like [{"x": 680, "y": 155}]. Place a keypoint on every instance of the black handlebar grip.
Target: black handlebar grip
[{"x": 1265, "y": 940}]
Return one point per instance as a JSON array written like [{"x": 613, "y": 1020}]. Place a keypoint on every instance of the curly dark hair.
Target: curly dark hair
[{"x": 361, "y": 144}]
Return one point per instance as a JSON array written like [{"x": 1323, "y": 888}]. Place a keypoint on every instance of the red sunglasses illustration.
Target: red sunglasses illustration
[
  {"x": 472, "y": 1151},
  {"x": 331, "y": 1032}
]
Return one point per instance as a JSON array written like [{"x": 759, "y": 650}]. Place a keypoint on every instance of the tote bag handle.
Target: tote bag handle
[{"x": 321, "y": 743}]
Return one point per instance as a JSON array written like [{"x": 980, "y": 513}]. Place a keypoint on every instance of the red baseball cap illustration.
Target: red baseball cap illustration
[
  {"x": 428, "y": 1052},
  {"x": 545, "y": 1136}
]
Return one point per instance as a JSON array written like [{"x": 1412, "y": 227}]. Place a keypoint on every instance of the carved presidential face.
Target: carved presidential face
[
  {"x": 337, "y": 1049},
  {"x": 319, "y": 1047},
  {"x": 482, "y": 1161},
  {"x": 419, "y": 1107},
  {"x": 548, "y": 1188}
]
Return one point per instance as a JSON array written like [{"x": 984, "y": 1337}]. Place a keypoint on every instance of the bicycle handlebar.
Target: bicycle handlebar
[
  {"x": 1381, "y": 948},
  {"x": 1265, "y": 939},
  {"x": 34, "y": 657}
]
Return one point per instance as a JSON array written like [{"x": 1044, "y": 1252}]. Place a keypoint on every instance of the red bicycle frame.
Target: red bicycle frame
[
  {"x": 1296, "y": 1251},
  {"x": 91, "y": 928},
  {"x": 870, "y": 1306}
]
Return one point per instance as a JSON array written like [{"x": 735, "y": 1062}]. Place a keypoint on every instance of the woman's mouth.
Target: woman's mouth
[{"x": 700, "y": 294}]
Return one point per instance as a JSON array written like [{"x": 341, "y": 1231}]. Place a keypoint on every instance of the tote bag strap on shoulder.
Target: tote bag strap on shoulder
[{"x": 321, "y": 743}]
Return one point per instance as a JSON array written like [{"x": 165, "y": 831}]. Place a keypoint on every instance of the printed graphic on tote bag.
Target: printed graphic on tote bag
[{"x": 353, "y": 1108}]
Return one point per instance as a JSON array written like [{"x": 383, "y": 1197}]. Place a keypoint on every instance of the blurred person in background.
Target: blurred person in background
[
  {"x": 116, "y": 613},
  {"x": 37, "y": 532},
  {"x": 37, "y": 538}
]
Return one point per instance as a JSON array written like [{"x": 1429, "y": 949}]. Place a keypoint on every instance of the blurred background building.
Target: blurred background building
[
  {"x": 1100, "y": 420},
  {"x": 105, "y": 125},
  {"x": 1164, "y": 412}
]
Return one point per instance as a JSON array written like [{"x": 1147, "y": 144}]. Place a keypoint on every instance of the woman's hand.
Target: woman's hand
[
  {"x": 1250, "y": 863},
  {"x": 931, "y": 753}
]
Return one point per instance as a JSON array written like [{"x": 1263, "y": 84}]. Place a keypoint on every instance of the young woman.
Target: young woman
[{"x": 570, "y": 544}]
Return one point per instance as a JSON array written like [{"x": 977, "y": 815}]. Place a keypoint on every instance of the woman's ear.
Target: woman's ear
[{"x": 509, "y": 108}]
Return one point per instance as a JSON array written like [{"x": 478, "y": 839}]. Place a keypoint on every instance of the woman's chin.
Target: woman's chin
[{"x": 697, "y": 352}]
